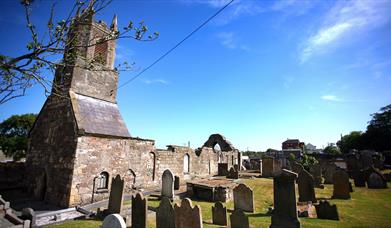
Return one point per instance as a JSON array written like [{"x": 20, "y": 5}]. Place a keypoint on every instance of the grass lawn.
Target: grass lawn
[{"x": 367, "y": 208}]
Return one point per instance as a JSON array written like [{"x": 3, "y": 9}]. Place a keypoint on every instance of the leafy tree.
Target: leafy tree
[
  {"x": 378, "y": 134},
  {"x": 307, "y": 161},
  {"x": 332, "y": 150},
  {"x": 14, "y": 134},
  {"x": 44, "y": 50},
  {"x": 354, "y": 140}
]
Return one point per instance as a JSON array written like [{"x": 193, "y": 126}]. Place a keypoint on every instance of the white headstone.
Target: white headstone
[{"x": 113, "y": 221}]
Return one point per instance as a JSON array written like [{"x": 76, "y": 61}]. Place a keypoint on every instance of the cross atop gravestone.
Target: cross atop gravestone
[
  {"x": 139, "y": 211},
  {"x": 239, "y": 219},
  {"x": 187, "y": 216},
  {"x": 165, "y": 214},
  {"x": 219, "y": 214},
  {"x": 243, "y": 198},
  {"x": 305, "y": 183},
  {"x": 341, "y": 185},
  {"x": 167, "y": 184},
  {"x": 115, "y": 198},
  {"x": 285, "y": 209}
]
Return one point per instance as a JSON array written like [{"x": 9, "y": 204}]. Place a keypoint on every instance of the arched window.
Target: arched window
[
  {"x": 102, "y": 181},
  {"x": 151, "y": 166},
  {"x": 217, "y": 148},
  {"x": 186, "y": 164}
]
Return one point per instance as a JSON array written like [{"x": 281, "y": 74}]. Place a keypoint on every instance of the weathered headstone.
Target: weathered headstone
[
  {"x": 326, "y": 211},
  {"x": 113, "y": 221},
  {"x": 139, "y": 211},
  {"x": 316, "y": 172},
  {"x": 285, "y": 209},
  {"x": 233, "y": 173},
  {"x": 219, "y": 214},
  {"x": 115, "y": 198},
  {"x": 358, "y": 178},
  {"x": 222, "y": 169},
  {"x": 29, "y": 214},
  {"x": 267, "y": 166},
  {"x": 341, "y": 185},
  {"x": 243, "y": 198},
  {"x": 330, "y": 169},
  {"x": 165, "y": 214},
  {"x": 167, "y": 184},
  {"x": 187, "y": 216},
  {"x": 239, "y": 219},
  {"x": 305, "y": 183},
  {"x": 176, "y": 183},
  {"x": 376, "y": 180}
]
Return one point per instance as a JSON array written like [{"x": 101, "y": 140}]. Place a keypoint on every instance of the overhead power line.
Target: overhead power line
[{"x": 177, "y": 45}]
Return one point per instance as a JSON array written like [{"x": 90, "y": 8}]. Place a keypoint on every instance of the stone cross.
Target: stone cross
[
  {"x": 243, "y": 198},
  {"x": 219, "y": 214},
  {"x": 139, "y": 211},
  {"x": 115, "y": 198},
  {"x": 326, "y": 211},
  {"x": 113, "y": 221},
  {"x": 165, "y": 214},
  {"x": 187, "y": 216},
  {"x": 341, "y": 185},
  {"x": 239, "y": 219},
  {"x": 167, "y": 184},
  {"x": 285, "y": 209},
  {"x": 305, "y": 183}
]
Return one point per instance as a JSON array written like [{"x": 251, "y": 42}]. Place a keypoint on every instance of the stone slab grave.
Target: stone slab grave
[
  {"x": 305, "y": 183},
  {"x": 330, "y": 169},
  {"x": 324, "y": 210},
  {"x": 139, "y": 211},
  {"x": 167, "y": 184},
  {"x": 243, "y": 198},
  {"x": 165, "y": 214},
  {"x": 116, "y": 195},
  {"x": 238, "y": 219},
  {"x": 341, "y": 185},
  {"x": 375, "y": 179},
  {"x": 233, "y": 173},
  {"x": 113, "y": 221},
  {"x": 187, "y": 216},
  {"x": 285, "y": 208},
  {"x": 212, "y": 190},
  {"x": 222, "y": 169},
  {"x": 219, "y": 214}
]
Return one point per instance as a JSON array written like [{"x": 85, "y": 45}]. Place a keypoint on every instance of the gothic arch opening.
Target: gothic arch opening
[
  {"x": 186, "y": 163},
  {"x": 151, "y": 166}
]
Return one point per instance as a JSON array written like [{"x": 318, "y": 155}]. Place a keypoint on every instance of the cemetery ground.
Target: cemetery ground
[{"x": 366, "y": 208}]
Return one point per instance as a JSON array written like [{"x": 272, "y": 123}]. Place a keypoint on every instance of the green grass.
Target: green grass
[{"x": 367, "y": 208}]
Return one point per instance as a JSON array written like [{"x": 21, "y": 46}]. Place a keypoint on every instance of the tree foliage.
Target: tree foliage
[
  {"x": 332, "y": 150},
  {"x": 354, "y": 140},
  {"x": 14, "y": 135},
  {"x": 307, "y": 161},
  {"x": 43, "y": 52}
]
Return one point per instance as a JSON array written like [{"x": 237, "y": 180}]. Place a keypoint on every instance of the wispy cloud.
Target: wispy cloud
[
  {"x": 344, "y": 19},
  {"x": 155, "y": 81},
  {"x": 231, "y": 41},
  {"x": 330, "y": 98}
]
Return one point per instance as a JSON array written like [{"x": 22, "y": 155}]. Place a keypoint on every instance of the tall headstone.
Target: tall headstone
[
  {"x": 285, "y": 209},
  {"x": 139, "y": 211},
  {"x": 326, "y": 211},
  {"x": 239, "y": 219},
  {"x": 233, "y": 173},
  {"x": 358, "y": 178},
  {"x": 165, "y": 214},
  {"x": 167, "y": 184},
  {"x": 267, "y": 166},
  {"x": 243, "y": 198},
  {"x": 187, "y": 216},
  {"x": 341, "y": 185},
  {"x": 330, "y": 169},
  {"x": 116, "y": 193},
  {"x": 113, "y": 221},
  {"x": 219, "y": 214},
  {"x": 305, "y": 183},
  {"x": 222, "y": 169}
]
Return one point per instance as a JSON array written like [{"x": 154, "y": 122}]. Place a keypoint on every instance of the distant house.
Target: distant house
[{"x": 292, "y": 144}]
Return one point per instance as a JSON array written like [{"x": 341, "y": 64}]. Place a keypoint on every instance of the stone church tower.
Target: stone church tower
[{"x": 82, "y": 103}]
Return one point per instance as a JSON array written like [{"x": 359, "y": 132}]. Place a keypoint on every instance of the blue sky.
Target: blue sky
[{"x": 259, "y": 73}]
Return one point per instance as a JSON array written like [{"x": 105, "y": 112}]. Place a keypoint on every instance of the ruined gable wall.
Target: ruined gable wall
[{"x": 50, "y": 155}]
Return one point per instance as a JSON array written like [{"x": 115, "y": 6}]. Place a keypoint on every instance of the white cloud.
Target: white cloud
[
  {"x": 230, "y": 41},
  {"x": 330, "y": 98},
  {"x": 155, "y": 81},
  {"x": 343, "y": 20}
]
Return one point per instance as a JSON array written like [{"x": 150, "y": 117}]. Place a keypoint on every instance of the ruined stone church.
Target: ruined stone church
[{"x": 80, "y": 141}]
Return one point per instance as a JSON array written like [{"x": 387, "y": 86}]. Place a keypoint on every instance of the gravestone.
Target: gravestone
[
  {"x": 29, "y": 214},
  {"x": 326, "y": 211},
  {"x": 115, "y": 198},
  {"x": 187, "y": 216},
  {"x": 139, "y": 211},
  {"x": 316, "y": 172},
  {"x": 222, "y": 169},
  {"x": 165, "y": 214},
  {"x": 219, "y": 214},
  {"x": 358, "y": 178},
  {"x": 341, "y": 185},
  {"x": 267, "y": 166},
  {"x": 243, "y": 198},
  {"x": 167, "y": 184},
  {"x": 239, "y": 219},
  {"x": 305, "y": 183},
  {"x": 176, "y": 183},
  {"x": 233, "y": 173},
  {"x": 330, "y": 169},
  {"x": 285, "y": 209},
  {"x": 376, "y": 180},
  {"x": 113, "y": 221}
]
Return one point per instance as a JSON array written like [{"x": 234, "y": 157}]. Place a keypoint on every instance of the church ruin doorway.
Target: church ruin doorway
[{"x": 186, "y": 164}]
